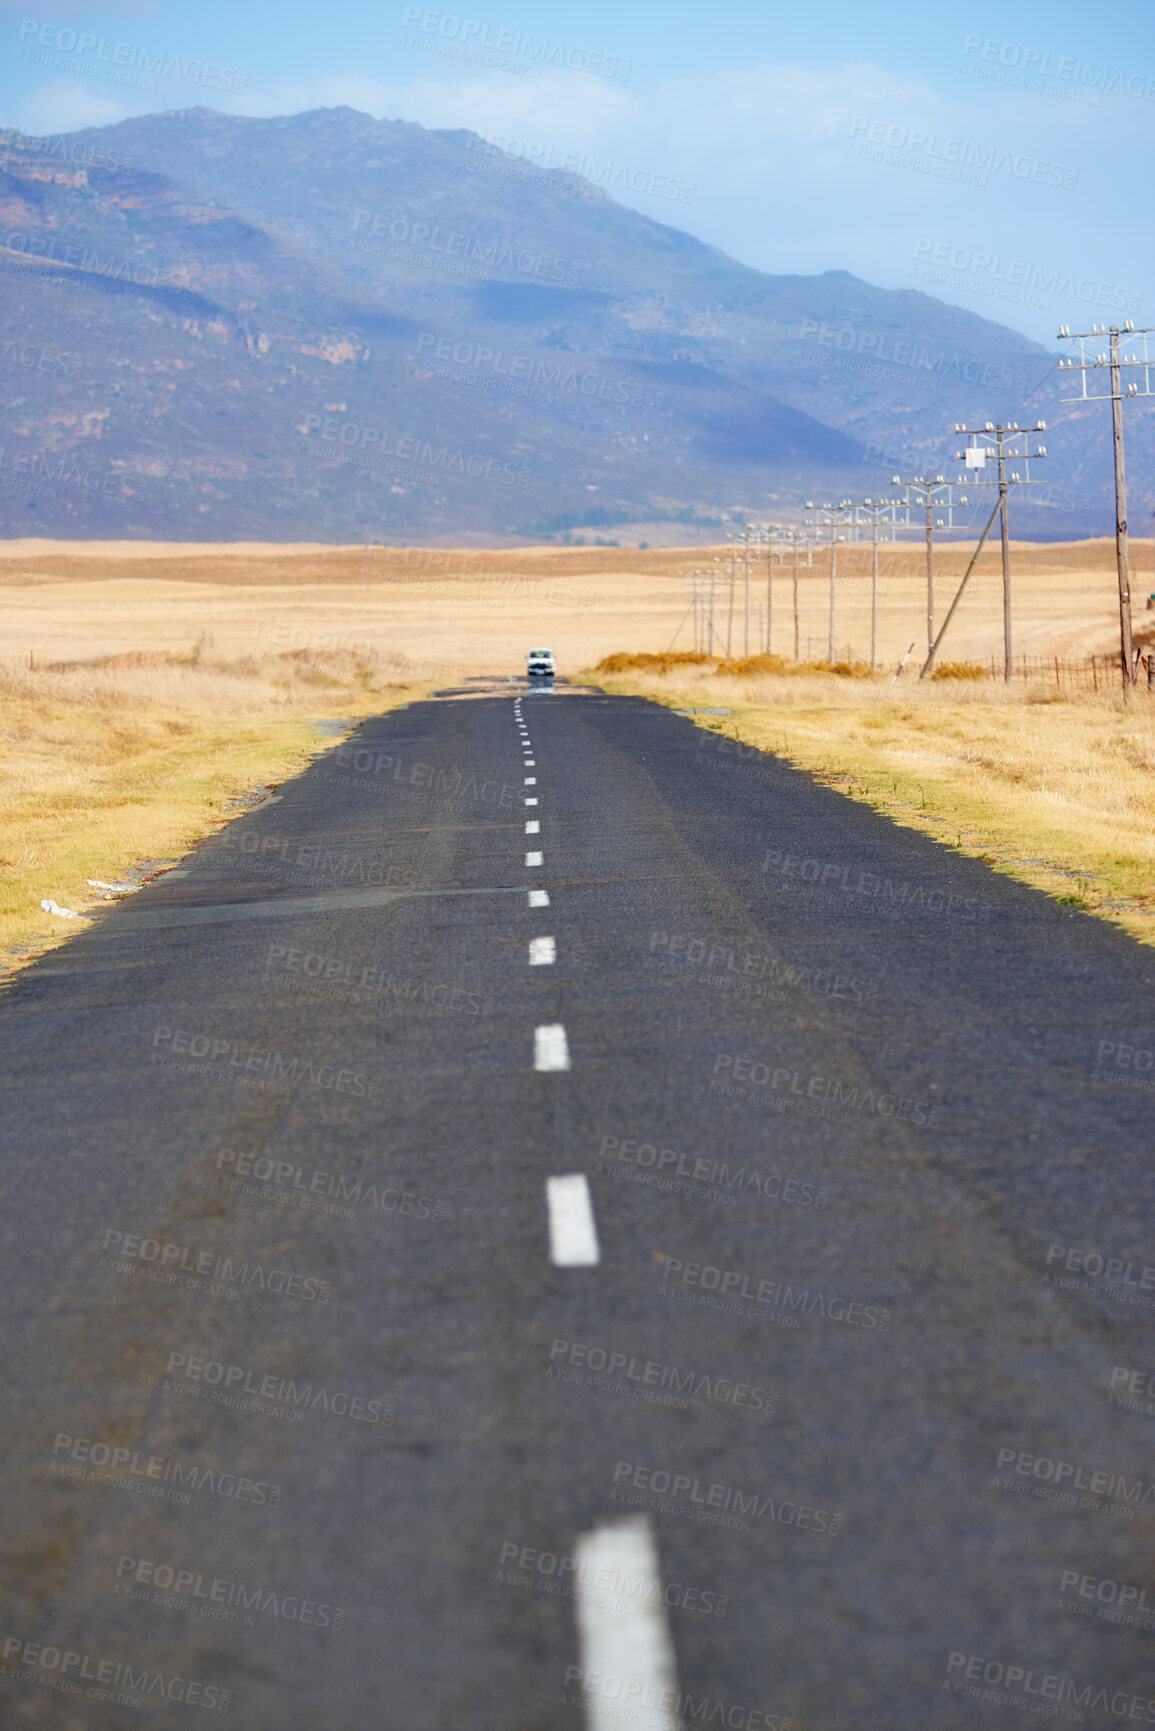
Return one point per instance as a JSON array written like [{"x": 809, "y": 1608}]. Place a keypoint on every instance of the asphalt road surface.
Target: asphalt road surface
[{"x": 821, "y": 1393}]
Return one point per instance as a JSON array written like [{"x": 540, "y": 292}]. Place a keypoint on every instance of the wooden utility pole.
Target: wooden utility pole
[
  {"x": 1114, "y": 362},
  {"x": 746, "y": 559},
  {"x": 1122, "y": 550},
  {"x": 929, "y": 571},
  {"x": 928, "y": 486},
  {"x": 999, "y": 442},
  {"x": 833, "y": 571},
  {"x": 876, "y": 507},
  {"x": 796, "y": 595},
  {"x": 1005, "y": 535},
  {"x": 834, "y": 515}
]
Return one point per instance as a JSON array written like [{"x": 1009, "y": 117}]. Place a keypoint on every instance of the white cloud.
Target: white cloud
[
  {"x": 565, "y": 112},
  {"x": 334, "y": 90},
  {"x": 770, "y": 160},
  {"x": 68, "y": 105},
  {"x": 780, "y": 103}
]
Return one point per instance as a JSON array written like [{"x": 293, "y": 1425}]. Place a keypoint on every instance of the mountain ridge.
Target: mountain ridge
[{"x": 328, "y": 257}]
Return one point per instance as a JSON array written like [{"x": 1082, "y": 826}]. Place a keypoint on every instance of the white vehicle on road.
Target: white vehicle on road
[{"x": 539, "y": 664}]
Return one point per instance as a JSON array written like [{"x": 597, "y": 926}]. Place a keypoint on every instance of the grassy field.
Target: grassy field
[
  {"x": 441, "y": 612},
  {"x": 148, "y": 686},
  {"x": 1060, "y": 793},
  {"x": 111, "y": 772}
]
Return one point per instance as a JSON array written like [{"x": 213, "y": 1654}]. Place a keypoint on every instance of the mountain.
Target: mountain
[{"x": 324, "y": 326}]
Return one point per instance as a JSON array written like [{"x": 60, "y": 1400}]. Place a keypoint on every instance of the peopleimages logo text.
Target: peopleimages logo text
[
  {"x": 1040, "y": 62},
  {"x": 213, "y": 1590},
  {"x": 128, "y": 57},
  {"x": 134, "y": 1247},
  {"x": 72, "y": 1667},
  {"x": 961, "y": 154},
  {"x": 244, "y": 1385},
  {"x": 407, "y": 447}
]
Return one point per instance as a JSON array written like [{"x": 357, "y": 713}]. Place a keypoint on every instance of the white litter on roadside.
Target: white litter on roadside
[{"x": 51, "y": 907}]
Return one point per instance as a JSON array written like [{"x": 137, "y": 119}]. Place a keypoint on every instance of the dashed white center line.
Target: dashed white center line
[
  {"x": 530, "y": 781},
  {"x": 542, "y": 952},
  {"x": 539, "y": 898},
  {"x": 530, "y": 763},
  {"x": 534, "y": 859},
  {"x": 550, "y": 1047},
  {"x": 632, "y": 1647},
  {"x": 530, "y": 799},
  {"x": 573, "y": 1236},
  {"x": 533, "y": 827}
]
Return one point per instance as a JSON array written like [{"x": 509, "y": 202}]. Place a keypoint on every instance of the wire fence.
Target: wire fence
[{"x": 1095, "y": 673}]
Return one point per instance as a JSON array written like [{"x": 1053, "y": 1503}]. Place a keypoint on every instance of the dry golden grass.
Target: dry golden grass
[
  {"x": 104, "y": 766},
  {"x": 108, "y": 767},
  {"x": 1058, "y": 793},
  {"x": 446, "y": 611}
]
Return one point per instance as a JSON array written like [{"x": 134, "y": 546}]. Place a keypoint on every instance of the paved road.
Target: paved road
[{"x": 308, "y": 1417}]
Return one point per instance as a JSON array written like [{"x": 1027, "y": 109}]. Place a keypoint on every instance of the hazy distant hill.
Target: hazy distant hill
[{"x": 325, "y": 325}]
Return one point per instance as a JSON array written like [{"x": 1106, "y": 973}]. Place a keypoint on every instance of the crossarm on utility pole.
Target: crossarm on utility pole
[{"x": 974, "y": 561}]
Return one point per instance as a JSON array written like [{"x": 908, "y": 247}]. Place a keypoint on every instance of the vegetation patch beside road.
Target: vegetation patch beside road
[
  {"x": 112, "y": 770},
  {"x": 1057, "y": 792}
]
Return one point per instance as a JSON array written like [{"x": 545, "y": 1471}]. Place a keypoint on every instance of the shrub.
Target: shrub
[
  {"x": 623, "y": 662},
  {"x": 960, "y": 670}
]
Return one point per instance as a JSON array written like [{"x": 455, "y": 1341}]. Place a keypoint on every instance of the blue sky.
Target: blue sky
[{"x": 993, "y": 156}]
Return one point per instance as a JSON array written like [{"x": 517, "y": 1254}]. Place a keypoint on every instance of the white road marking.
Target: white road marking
[
  {"x": 530, "y": 781},
  {"x": 539, "y": 898},
  {"x": 573, "y": 1235},
  {"x": 533, "y": 859},
  {"x": 542, "y": 951},
  {"x": 550, "y": 1047},
  {"x": 530, "y": 763},
  {"x": 530, "y": 799},
  {"x": 533, "y": 827},
  {"x": 633, "y": 1648}
]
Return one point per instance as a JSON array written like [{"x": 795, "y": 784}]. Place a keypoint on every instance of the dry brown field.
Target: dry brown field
[
  {"x": 452, "y": 612},
  {"x": 147, "y": 691}
]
